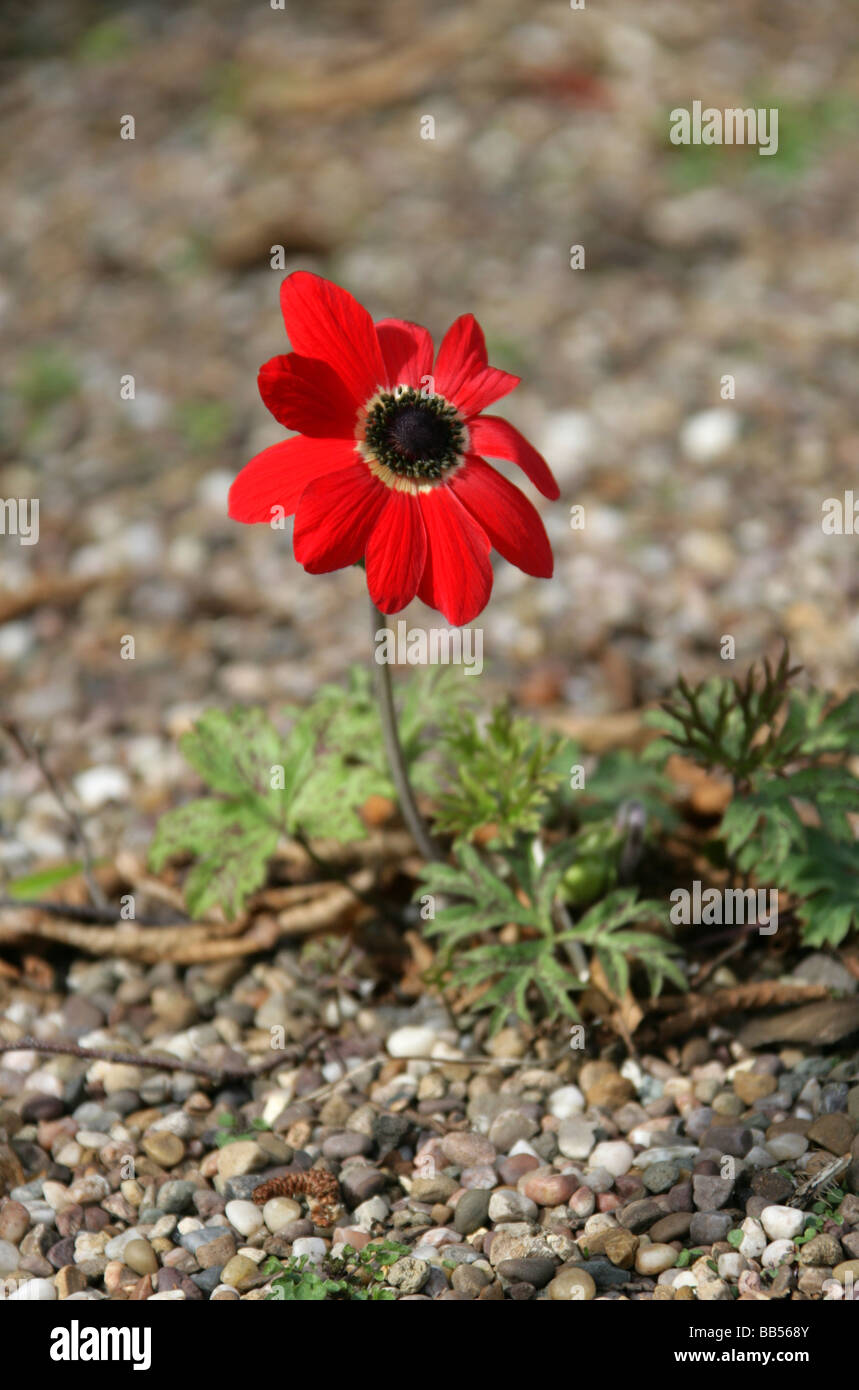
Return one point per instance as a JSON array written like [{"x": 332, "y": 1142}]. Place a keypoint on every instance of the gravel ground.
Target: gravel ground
[{"x": 525, "y": 1176}]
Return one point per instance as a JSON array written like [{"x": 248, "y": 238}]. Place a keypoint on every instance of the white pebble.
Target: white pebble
[
  {"x": 279, "y": 1212},
  {"x": 782, "y": 1223},
  {"x": 35, "y": 1290},
  {"x": 99, "y": 785},
  {"x": 709, "y": 434},
  {"x": 411, "y": 1041},
  {"x": 776, "y": 1253},
  {"x": 312, "y": 1246},
  {"x": 615, "y": 1155},
  {"x": 246, "y": 1217},
  {"x": 374, "y": 1209},
  {"x": 8, "y": 1257},
  {"x": 731, "y": 1265},
  {"x": 754, "y": 1241},
  {"x": 566, "y": 1101}
]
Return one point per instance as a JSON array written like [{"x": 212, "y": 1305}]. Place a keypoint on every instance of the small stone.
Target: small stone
[
  {"x": 847, "y": 1270},
  {"x": 435, "y": 1189},
  {"x": 754, "y": 1240},
  {"x": 469, "y": 1281},
  {"x": 610, "y": 1091},
  {"x": 246, "y": 1217},
  {"x": 833, "y": 1132},
  {"x": 640, "y": 1216},
  {"x": 782, "y": 1223},
  {"x": 278, "y": 1212},
  {"x": 411, "y": 1041},
  {"x": 348, "y": 1144},
  {"x": 14, "y": 1221},
  {"x": 408, "y": 1274},
  {"x": 69, "y": 1280},
  {"x": 821, "y": 1250},
  {"x": 140, "y": 1257},
  {"x": 35, "y": 1290},
  {"x": 777, "y": 1252},
  {"x": 615, "y": 1156},
  {"x": 709, "y": 1192},
  {"x": 567, "y": 1101},
  {"x": 163, "y": 1148},
  {"x": 509, "y": 1127},
  {"x": 707, "y": 1227},
  {"x": 215, "y": 1254},
  {"x": 239, "y": 1271},
  {"x": 176, "y": 1195},
  {"x": 653, "y": 1259},
  {"x": 472, "y": 1211},
  {"x": 576, "y": 1137},
  {"x": 752, "y": 1086},
  {"x": 571, "y": 1284},
  {"x": 620, "y": 1247},
  {"x": 547, "y": 1187},
  {"x": 467, "y": 1150},
  {"x": 660, "y": 1177},
  {"x": 537, "y": 1271},
  {"x": 314, "y": 1247},
  {"x": 240, "y": 1158},
  {"x": 506, "y": 1204},
  {"x": 728, "y": 1139},
  {"x": 675, "y": 1226}
]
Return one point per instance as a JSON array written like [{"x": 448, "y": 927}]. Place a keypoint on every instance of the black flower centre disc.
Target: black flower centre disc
[{"x": 413, "y": 435}]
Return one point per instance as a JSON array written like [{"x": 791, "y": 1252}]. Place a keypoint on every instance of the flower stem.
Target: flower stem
[{"x": 393, "y": 749}]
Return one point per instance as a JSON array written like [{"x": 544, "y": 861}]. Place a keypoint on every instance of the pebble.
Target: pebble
[
  {"x": 246, "y": 1217},
  {"x": 411, "y": 1041},
  {"x": 576, "y": 1137},
  {"x": 164, "y": 1148},
  {"x": 242, "y": 1157},
  {"x": 566, "y": 1101},
  {"x": 782, "y": 1223},
  {"x": 506, "y": 1204},
  {"x": 279, "y": 1212},
  {"x": 615, "y": 1156},
  {"x": 140, "y": 1257},
  {"x": 238, "y": 1272},
  {"x": 653, "y": 1259},
  {"x": 572, "y": 1284},
  {"x": 472, "y": 1211},
  {"x": 777, "y": 1252},
  {"x": 408, "y": 1274}
]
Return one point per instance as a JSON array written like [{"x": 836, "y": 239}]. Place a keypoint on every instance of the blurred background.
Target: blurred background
[{"x": 302, "y": 127}]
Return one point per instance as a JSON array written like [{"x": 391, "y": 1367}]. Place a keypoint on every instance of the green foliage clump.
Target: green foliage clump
[
  {"x": 265, "y": 785},
  {"x": 523, "y": 888},
  {"x": 788, "y": 754},
  {"x": 357, "y": 1276},
  {"x": 504, "y": 777}
]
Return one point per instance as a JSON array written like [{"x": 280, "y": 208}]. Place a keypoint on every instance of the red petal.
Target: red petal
[
  {"x": 462, "y": 373},
  {"x": 407, "y": 351},
  {"x": 457, "y": 579},
  {"x": 397, "y": 553},
  {"x": 509, "y": 520},
  {"x": 501, "y": 440},
  {"x": 324, "y": 321},
  {"x": 336, "y": 517},
  {"x": 278, "y": 476},
  {"x": 307, "y": 395}
]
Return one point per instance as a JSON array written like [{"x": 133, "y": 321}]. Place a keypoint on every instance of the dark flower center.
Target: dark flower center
[{"x": 413, "y": 435}]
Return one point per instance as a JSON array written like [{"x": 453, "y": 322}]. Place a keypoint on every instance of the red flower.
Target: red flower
[{"x": 387, "y": 464}]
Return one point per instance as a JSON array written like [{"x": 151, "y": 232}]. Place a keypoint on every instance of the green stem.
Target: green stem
[{"x": 394, "y": 751}]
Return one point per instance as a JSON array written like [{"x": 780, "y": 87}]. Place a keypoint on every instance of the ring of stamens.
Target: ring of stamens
[{"x": 413, "y": 436}]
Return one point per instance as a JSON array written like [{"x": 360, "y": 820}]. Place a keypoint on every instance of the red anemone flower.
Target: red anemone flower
[{"x": 387, "y": 463}]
